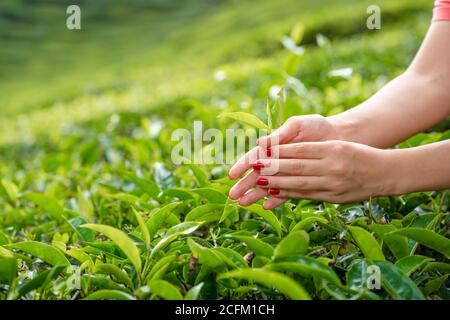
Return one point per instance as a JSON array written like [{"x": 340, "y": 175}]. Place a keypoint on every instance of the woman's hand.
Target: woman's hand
[
  {"x": 303, "y": 129},
  {"x": 331, "y": 171},
  {"x": 295, "y": 129}
]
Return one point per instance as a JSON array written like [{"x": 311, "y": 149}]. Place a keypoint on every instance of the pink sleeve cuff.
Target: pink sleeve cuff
[{"x": 441, "y": 10}]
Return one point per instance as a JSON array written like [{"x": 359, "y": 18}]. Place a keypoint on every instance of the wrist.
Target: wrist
[
  {"x": 346, "y": 129},
  {"x": 396, "y": 172}
]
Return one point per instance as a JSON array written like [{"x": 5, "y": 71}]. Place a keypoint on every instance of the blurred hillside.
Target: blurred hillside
[{"x": 154, "y": 51}]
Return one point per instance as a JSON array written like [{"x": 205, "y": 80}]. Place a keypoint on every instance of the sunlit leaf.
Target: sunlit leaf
[
  {"x": 159, "y": 216},
  {"x": 427, "y": 238},
  {"x": 143, "y": 227},
  {"x": 43, "y": 251},
  {"x": 294, "y": 243},
  {"x": 256, "y": 245},
  {"x": 121, "y": 240},
  {"x": 194, "y": 292},
  {"x": 213, "y": 195},
  {"x": 86, "y": 208},
  {"x": 368, "y": 245},
  {"x": 10, "y": 189},
  {"x": 266, "y": 215},
  {"x": 46, "y": 203},
  {"x": 8, "y": 269},
  {"x": 246, "y": 118},
  {"x": 270, "y": 279},
  {"x": 305, "y": 265},
  {"x": 109, "y": 295},
  {"x": 165, "y": 290},
  {"x": 206, "y": 256},
  {"x": 115, "y": 271},
  {"x": 410, "y": 264},
  {"x": 397, "y": 284}
]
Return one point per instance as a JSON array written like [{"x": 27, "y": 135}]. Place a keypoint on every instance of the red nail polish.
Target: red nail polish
[
  {"x": 258, "y": 166},
  {"x": 274, "y": 192},
  {"x": 269, "y": 152},
  {"x": 262, "y": 182}
]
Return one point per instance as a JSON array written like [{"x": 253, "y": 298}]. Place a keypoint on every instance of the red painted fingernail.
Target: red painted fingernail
[
  {"x": 262, "y": 182},
  {"x": 274, "y": 192},
  {"x": 258, "y": 166},
  {"x": 269, "y": 152}
]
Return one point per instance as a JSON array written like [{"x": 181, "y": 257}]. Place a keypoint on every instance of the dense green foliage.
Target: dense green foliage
[{"x": 89, "y": 195}]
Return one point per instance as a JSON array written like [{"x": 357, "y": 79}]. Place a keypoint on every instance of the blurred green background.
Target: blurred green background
[
  {"x": 86, "y": 117},
  {"x": 136, "y": 54}
]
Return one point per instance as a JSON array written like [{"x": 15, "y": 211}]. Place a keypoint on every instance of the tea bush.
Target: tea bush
[{"x": 92, "y": 207}]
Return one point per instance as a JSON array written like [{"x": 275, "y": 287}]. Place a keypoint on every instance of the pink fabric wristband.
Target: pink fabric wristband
[{"x": 441, "y": 10}]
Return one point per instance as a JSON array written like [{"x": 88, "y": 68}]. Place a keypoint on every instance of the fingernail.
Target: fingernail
[
  {"x": 262, "y": 182},
  {"x": 269, "y": 152},
  {"x": 274, "y": 192},
  {"x": 257, "y": 166}
]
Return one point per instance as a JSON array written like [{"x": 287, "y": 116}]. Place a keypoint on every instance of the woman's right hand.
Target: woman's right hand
[{"x": 309, "y": 128}]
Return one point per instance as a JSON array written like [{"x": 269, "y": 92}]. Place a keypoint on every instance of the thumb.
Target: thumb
[{"x": 282, "y": 135}]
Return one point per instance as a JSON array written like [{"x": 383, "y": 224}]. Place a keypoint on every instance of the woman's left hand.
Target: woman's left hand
[{"x": 331, "y": 171}]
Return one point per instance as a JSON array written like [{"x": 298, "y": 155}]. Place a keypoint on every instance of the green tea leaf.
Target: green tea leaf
[
  {"x": 205, "y": 256},
  {"x": 410, "y": 264},
  {"x": 270, "y": 117},
  {"x": 212, "y": 195},
  {"x": 207, "y": 213},
  {"x": 101, "y": 282},
  {"x": 267, "y": 215},
  {"x": 143, "y": 226},
  {"x": 148, "y": 186},
  {"x": 229, "y": 209},
  {"x": 298, "y": 32},
  {"x": 84, "y": 234},
  {"x": 8, "y": 270},
  {"x": 78, "y": 254},
  {"x": 179, "y": 193},
  {"x": 46, "y": 203},
  {"x": 296, "y": 242},
  {"x": 435, "y": 284},
  {"x": 397, "y": 284},
  {"x": 306, "y": 224},
  {"x": 165, "y": 290},
  {"x": 121, "y": 240},
  {"x": 107, "y": 294},
  {"x": 184, "y": 227},
  {"x": 368, "y": 245},
  {"x": 5, "y": 253},
  {"x": 305, "y": 266},
  {"x": 246, "y": 118},
  {"x": 39, "y": 281},
  {"x": 231, "y": 257},
  {"x": 442, "y": 266},
  {"x": 256, "y": 245},
  {"x": 115, "y": 271},
  {"x": 397, "y": 244},
  {"x": 86, "y": 208},
  {"x": 43, "y": 251},
  {"x": 159, "y": 216},
  {"x": 4, "y": 239},
  {"x": 427, "y": 238},
  {"x": 165, "y": 241},
  {"x": 11, "y": 190},
  {"x": 270, "y": 279},
  {"x": 200, "y": 175},
  {"x": 160, "y": 266},
  {"x": 357, "y": 275},
  {"x": 194, "y": 292}
]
